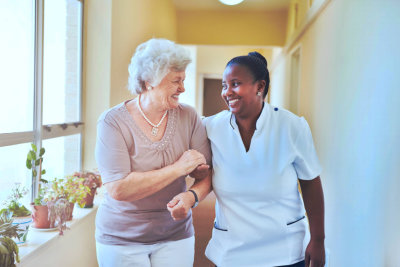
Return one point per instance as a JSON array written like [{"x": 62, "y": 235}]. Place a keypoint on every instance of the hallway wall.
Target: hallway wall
[{"x": 349, "y": 93}]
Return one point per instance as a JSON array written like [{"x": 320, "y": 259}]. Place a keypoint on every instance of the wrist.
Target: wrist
[
  {"x": 178, "y": 171},
  {"x": 318, "y": 239},
  {"x": 196, "y": 198}
]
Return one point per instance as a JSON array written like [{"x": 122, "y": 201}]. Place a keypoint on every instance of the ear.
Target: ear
[
  {"x": 261, "y": 86},
  {"x": 147, "y": 86}
]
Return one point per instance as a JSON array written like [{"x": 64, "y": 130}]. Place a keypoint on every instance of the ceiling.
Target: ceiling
[{"x": 245, "y": 5}]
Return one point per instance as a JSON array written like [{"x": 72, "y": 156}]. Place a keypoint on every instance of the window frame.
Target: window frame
[{"x": 39, "y": 131}]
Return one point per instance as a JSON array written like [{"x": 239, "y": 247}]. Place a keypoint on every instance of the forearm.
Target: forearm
[
  {"x": 203, "y": 187},
  {"x": 313, "y": 198},
  {"x": 138, "y": 185}
]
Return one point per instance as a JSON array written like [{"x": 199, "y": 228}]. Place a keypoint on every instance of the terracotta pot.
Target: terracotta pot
[
  {"x": 90, "y": 198},
  {"x": 40, "y": 216},
  {"x": 71, "y": 208}
]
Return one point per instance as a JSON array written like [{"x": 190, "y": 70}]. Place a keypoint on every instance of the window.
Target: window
[{"x": 40, "y": 88}]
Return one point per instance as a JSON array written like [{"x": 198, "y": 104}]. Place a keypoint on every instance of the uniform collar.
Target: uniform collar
[{"x": 260, "y": 121}]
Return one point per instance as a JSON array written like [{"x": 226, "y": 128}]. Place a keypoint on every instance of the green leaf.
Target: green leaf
[
  {"x": 29, "y": 156},
  {"x": 44, "y": 181},
  {"x": 34, "y": 173},
  {"x": 28, "y": 164},
  {"x": 37, "y": 162},
  {"x": 34, "y": 147},
  {"x": 33, "y": 155},
  {"x": 42, "y": 151},
  {"x": 43, "y": 171}
]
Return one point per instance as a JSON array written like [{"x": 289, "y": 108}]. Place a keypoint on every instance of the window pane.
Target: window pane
[
  {"x": 17, "y": 23},
  {"x": 13, "y": 170},
  {"x": 63, "y": 156},
  {"x": 61, "y": 61}
]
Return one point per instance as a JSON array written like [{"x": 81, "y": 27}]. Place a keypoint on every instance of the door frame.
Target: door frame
[{"x": 200, "y": 91}]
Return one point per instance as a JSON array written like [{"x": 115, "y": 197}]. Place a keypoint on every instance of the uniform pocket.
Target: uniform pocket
[
  {"x": 296, "y": 235},
  {"x": 219, "y": 228},
  {"x": 289, "y": 223}
]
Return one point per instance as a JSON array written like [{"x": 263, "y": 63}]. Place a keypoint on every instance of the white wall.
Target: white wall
[
  {"x": 350, "y": 94},
  {"x": 77, "y": 247}
]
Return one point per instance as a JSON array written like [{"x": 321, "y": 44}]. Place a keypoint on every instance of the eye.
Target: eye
[
  {"x": 224, "y": 86},
  {"x": 235, "y": 84}
]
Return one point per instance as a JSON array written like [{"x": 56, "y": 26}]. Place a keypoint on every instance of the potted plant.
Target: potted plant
[
  {"x": 59, "y": 210},
  {"x": 8, "y": 248},
  {"x": 63, "y": 194},
  {"x": 93, "y": 181},
  {"x": 76, "y": 190},
  {"x": 34, "y": 162},
  {"x": 21, "y": 215}
]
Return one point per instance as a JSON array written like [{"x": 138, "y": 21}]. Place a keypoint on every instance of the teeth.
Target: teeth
[{"x": 233, "y": 101}]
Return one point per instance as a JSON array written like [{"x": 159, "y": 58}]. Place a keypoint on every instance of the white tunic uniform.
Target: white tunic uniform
[{"x": 259, "y": 211}]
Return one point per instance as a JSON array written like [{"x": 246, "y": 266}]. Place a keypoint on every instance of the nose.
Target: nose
[
  {"x": 226, "y": 91},
  {"x": 181, "y": 87}
]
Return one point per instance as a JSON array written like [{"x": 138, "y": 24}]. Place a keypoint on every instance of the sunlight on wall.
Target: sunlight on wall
[{"x": 189, "y": 96}]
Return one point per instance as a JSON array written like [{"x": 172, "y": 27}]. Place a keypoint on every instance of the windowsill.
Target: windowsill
[{"x": 41, "y": 239}]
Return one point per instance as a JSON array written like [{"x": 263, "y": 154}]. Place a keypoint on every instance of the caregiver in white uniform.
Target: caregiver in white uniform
[{"x": 259, "y": 155}]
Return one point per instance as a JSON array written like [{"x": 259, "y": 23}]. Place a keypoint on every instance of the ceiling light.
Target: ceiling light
[{"x": 231, "y": 2}]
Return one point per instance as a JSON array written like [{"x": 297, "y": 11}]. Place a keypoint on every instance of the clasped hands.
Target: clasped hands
[{"x": 194, "y": 164}]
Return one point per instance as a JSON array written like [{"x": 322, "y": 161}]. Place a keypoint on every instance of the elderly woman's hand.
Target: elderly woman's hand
[
  {"x": 180, "y": 205},
  {"x": 189, "y": 161}
]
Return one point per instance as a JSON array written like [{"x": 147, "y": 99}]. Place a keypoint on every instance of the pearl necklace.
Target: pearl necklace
[{"x": 154, "y": 131}]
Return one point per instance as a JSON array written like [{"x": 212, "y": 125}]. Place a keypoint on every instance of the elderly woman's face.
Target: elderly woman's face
[{"x": 169, "y": 89}]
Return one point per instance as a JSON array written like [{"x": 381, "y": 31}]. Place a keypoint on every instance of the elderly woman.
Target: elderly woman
[{"x": 144, "y": 150}]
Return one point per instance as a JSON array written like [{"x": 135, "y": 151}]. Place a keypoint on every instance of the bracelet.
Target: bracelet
[{"x": 196, "y": 199}]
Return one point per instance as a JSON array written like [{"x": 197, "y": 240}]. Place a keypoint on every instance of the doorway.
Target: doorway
[{"x": 212, "y": 100}]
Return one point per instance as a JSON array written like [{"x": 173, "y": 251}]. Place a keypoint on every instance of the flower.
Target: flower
[{"x": 13, "y": 203}]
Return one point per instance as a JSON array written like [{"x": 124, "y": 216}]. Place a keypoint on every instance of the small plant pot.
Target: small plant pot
[
  {"x": 71, "y": 208},
  {"x": 90, "y": 198},
  {"x": 23, "y": 226},
  {"x": 40, "y": 216}
]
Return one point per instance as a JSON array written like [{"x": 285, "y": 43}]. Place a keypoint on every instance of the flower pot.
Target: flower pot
[
  {"x": 40, "y": 216},
  {"x": 23, "y": 225},
  {"x": 71, "y": 208},
  {"x": 90, "y": 198}
]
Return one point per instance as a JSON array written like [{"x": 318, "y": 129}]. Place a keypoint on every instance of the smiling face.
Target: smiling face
[
  {"x": 239, "y": 91},
  {"x": 166, "y": 94}
]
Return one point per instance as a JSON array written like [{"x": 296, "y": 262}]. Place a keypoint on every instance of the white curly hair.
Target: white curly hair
[{"x": 152, "y": 60}]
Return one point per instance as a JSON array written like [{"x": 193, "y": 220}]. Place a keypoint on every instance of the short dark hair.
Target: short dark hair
[{"x": 256, "y": 64}]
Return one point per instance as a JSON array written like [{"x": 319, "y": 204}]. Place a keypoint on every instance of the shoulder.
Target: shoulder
[
  {"x": 112, "y": 115},
  {"x": 187, "y": 113},
  {"x": 216, "y": 119},
  {"x": 187, "y": 109},
  {"x": 287, "y": 122},
  {"x": 285, "y": 118}
]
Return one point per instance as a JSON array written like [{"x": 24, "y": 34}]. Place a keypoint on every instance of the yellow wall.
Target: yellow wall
[
  {"x": 349, "y": 93},
  {"x": 232, "y": 27},
  {"x": 212, "y": 59}
]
